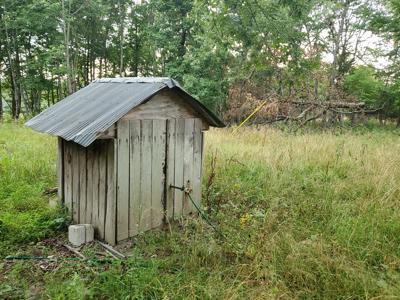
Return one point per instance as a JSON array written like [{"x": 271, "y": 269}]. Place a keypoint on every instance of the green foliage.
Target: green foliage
[{"x": 364, "y": 84}]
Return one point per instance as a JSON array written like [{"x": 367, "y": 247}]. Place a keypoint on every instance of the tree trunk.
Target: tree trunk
[
  {"x": 93, "y": 68},
  {"x": 337, "y": 38},
  {"x": 136, "y": 51},
  {"x": 101, "y": 67},
  {"x": 87, "y": 67},
  {"x": 16, "y": 96},
  {"x": 58, "y": 90},
  {"x": 66, "y": 32},
  {"x": 121, "y": 40},
  {"x": 18, "y": 90}
]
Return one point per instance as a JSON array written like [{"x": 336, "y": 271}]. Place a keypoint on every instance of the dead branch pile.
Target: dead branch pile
[{"x": 243, "y": 102}]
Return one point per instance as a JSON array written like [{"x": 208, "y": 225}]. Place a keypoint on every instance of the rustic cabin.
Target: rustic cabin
[{"x": 123, "y": 144}]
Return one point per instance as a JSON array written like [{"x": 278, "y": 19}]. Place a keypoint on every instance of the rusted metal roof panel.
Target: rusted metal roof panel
[{"x": 84, "y": 115}]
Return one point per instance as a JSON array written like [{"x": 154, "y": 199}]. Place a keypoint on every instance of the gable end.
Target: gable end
[{"x": 166, "y": 104}]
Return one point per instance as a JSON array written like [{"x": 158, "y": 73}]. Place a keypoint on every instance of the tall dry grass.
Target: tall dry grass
[{"x": 316, "y": 214}]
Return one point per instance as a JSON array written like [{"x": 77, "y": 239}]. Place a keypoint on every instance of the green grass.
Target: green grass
[
  {"x": 312, "y": 215},
  {"x": 27, "y": 169}
]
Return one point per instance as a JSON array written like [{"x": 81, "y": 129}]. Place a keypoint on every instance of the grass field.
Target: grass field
[{"x": 312, "y": 215}]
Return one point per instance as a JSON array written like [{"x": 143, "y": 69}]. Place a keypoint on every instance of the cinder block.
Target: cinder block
[
  {"x": 89, "y": 233},
  {"x": 77, "y": 235}
]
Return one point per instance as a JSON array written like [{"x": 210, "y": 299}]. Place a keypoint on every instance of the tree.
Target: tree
[{"x": 364, "y": 84}]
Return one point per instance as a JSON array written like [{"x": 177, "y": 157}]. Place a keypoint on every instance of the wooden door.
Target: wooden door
[
  {"x": 141, "y": 153},
  {"x": 152, "y": 155},
  {"x": 183, "y": 165}
]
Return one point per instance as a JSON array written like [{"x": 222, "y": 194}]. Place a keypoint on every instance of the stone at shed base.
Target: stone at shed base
[
  {"x": 89, "y": 233},
  {"x": 80, "y": 234},
  {"x": 77, "y": 235}
]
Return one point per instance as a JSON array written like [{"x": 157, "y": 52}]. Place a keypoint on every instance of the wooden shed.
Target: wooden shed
[{"x": 122, "y": 144}]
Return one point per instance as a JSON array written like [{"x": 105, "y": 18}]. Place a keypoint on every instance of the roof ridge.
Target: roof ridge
[
  {"x": 170, "y": 82},
  {"x": 132, "y": 79}
]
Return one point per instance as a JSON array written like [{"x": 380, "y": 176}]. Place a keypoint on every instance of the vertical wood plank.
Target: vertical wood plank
[
  {"x": 188, "y": 164},
  {"x": 158, "y": 173},
  {"x": 95, "y": 187},
  {"x": 134, "y": 178},
  {"x": 60, "y": 170},
  {"x": 102, "y": 187},
  {"x": 68, "y": 176},
  {"x": 170, "y": 167},
  {"x": 110, "y": 226},
  {"x": 82, "y": 184},
  {"x": 202, "y": 150},
  {"x": 75, "y": 182},
  {"x": 179, "y": 144},
  {"x": 123, "y": 181},
  {"x": 197, "y": 161},
  {"x": 89, "y": 184},
  {"x": 145, "y": 191}
]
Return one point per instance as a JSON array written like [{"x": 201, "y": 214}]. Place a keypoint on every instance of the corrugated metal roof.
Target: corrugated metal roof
[{"x": 84, "y": 115}]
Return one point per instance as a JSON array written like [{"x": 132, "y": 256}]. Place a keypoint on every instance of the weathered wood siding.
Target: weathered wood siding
[
  {"x": 164, "y": 105},
  {"x": 122, "y": 185},
  {"x": 184, "y": 165},
  {"x": 152, "y": 156},
  {"x": 88, "y": 185},
  {"x": 60, "y": 171},
  {"x": 140, "y": 180}
]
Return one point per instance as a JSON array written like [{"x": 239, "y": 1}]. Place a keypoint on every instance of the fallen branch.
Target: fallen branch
[
  {"x": 330, "y": 104},
  {"x": 112, "y": 251},
  {"x": 309, "y": 119},
  {"x": 76, "y": 252},
  {"x": 367, "y": 112},
  {"x": 277, "y": 119},
  {"x": 304, "y": 112}
]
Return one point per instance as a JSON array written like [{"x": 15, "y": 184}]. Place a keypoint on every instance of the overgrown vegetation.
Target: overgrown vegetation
[
  {"x": 306, "y": 215},
  {"x": 27, "y": 169}
]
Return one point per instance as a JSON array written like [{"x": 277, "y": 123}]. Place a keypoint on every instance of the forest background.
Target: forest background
[{"x": 307, "y": 60}]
